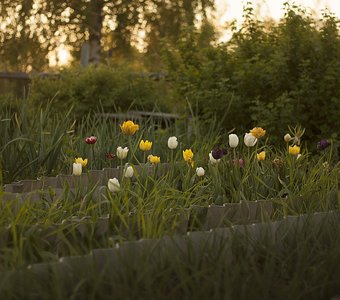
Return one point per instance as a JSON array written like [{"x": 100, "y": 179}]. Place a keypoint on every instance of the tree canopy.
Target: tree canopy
[{"x": 30, "y": 29}]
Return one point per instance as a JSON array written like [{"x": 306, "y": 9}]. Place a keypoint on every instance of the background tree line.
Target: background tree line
[{"x": 30, "y": 29}]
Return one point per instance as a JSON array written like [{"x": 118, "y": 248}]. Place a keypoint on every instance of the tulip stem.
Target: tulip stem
[{"x": 92, "y": 156}]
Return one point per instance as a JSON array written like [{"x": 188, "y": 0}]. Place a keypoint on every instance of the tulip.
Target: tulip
[
  {"x": 172, "y": 142},
  {"x": 298, "y": 156},
  {"x": 261, "y": 156},
  {"x": 113, "y": 185},
  {"x": 81, "y": 161},
  {"x": 325, "y": 165},
  {"x": 295, "y": 150},
  {"x": 212, "y": 160},
  {"x": 77, "y": 169},
  {"x": 200, "y": 172},
  {"x": 122, "y": 152},
  {"x": 287, "y": 138},
  {"x": 258, "y": 132},
  {"x": 188, "y": 155},
  {"x": 218, "y": 153},
  {"x": 233, "y": 140},
  {"x": 278, "y": 163},
  {"x": 250, "y": 140},
  {"x": 145, "y": 145},
  {"x": 240, "y": 162},
  {"x": 109, "y": 155},
  {"x": 323, "y": 144},
  {"x": 154, "y": 159},
  {"x": 128, "y": 172},
  {"x": 129, "y": 128},
  {"x": 91, "y": 140}
]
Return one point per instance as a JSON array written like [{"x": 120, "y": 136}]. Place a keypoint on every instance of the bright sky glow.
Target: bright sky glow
[
  {"x": 228, "y": 10},
  {"x": 60, "y": 57}
]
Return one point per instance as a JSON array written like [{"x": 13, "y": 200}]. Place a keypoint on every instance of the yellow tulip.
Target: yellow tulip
[
  {"x": 258, "y": 132},
  {"x": 81, "y": 161},
  {"x": 261, "y": 156},
  {"x": 129, "y": 128},
  {"x": 154, "y": 159},
  {"x": 188, "y": 155},
  {"x": 145, "y": 145},
  {"x": 295, "y": 150}
]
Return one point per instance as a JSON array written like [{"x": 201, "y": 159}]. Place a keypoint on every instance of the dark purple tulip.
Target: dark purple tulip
[
  {"x": 217, "y": 153},
  {"x": 323, "y": 144}
]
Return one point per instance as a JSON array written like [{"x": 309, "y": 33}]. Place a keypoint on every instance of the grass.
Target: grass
[
  {"x": 150, "y": 206},
  {"x": 299, "y": 264}
]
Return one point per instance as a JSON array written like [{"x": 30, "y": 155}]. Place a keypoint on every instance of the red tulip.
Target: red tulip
[
  {"x": 91, "y": 140},
  {"x": 109, "y": 156}
]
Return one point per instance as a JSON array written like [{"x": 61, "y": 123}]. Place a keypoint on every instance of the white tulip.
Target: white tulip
[
  {"x": 298, "y": 156},
  {"x": 172, "y": 142},
  {"x": 250, "y": 140},
  {"x": 200, "y": 172},
  {"x": 113, "y": 185},
  {"x": 77, "y": 169},
  {"x": 128, "y": 172},
  {"x": 287, "y": 138},
  {"x": 233, "y": 140},
  {"x": 212, "y": 160},
  {"x": 122, "y": 152}
]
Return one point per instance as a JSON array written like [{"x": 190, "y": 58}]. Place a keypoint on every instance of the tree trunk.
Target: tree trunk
[{"x": 95, "y": 28}]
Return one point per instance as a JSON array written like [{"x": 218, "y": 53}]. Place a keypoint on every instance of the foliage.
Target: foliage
[
  {"x": 268, "y": 74},
  {"x": 92, "y": 89},
  {"x": 37, "y": 28}
]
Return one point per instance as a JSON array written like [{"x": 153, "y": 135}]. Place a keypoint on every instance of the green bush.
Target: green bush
[
  {"x": 88, "y": 89},
  {"x": 270, "y": 75}
]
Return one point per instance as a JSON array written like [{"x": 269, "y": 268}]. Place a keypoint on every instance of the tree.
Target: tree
[{"x": 31, "y": 29}]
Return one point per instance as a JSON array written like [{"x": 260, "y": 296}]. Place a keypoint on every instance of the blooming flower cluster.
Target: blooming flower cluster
[{"x": 250, "y": 139}]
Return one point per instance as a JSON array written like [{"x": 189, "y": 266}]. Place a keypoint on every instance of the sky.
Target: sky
[{"x": 229, "y": 10}]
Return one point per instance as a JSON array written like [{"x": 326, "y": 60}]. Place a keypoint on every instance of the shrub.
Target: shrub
[
  {"x": 268, "y": 74},
  {"x": 87, "y": 89}
]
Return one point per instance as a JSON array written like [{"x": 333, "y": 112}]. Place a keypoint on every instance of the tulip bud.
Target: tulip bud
[
  {"x": 233, "y": 140},
  {"x": 323, "y": 144},
  {"x": 200, "y": 172},
  {"x": 172, "y": 142},
  {"x": 249, "y": 140},
  {"x": 287, "y": 138},
  {"x": 77, "y": 169},
  {"x": 325, "y": 165},
  {"x": 122, "y": 152},
  {"x": 128, "y": 173},
  {"x": 261, "y": 156},
  {"x": 113, "y": 185}
]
